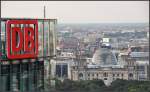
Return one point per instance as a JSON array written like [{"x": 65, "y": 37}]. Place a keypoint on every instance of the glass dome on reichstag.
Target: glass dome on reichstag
[{"x": 104, "y": 56}]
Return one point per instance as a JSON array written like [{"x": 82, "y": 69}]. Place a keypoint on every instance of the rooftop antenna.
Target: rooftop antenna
[{"x": 44, "y": 12}]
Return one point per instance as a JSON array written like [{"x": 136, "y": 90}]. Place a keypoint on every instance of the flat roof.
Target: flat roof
[{"x": 27, "y": 18}]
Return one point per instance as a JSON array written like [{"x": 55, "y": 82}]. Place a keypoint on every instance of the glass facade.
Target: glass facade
[
  {"x": 3, "y": 40},
  {"x": 62, "y": 70},
  {"x": 23, "y": 77},
  {"x": 26, "y": 75},
  {"x": 47, "y": 38}
]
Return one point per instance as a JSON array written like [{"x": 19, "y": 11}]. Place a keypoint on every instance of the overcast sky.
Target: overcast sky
[{"x": 79, "y": 11}]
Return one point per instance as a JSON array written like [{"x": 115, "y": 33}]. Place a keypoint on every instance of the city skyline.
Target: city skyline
[
  {"x": 80, "y": 11},
  {"x": 79, "y": 46}
]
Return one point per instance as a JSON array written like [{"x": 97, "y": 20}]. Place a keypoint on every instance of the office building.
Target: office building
[{"x": 20, "y": 69}]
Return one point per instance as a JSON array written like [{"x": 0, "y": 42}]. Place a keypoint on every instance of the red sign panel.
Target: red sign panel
[{"x": 22, "y": 39}]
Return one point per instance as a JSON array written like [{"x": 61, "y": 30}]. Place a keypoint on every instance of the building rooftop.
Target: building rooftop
[{"x": 104, "y": 66}]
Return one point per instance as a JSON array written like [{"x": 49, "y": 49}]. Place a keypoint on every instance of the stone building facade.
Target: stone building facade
[{"x": 125, "y": 67}]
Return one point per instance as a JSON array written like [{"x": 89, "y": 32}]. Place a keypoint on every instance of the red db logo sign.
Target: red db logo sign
[{"x": 22, "y": 39}]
